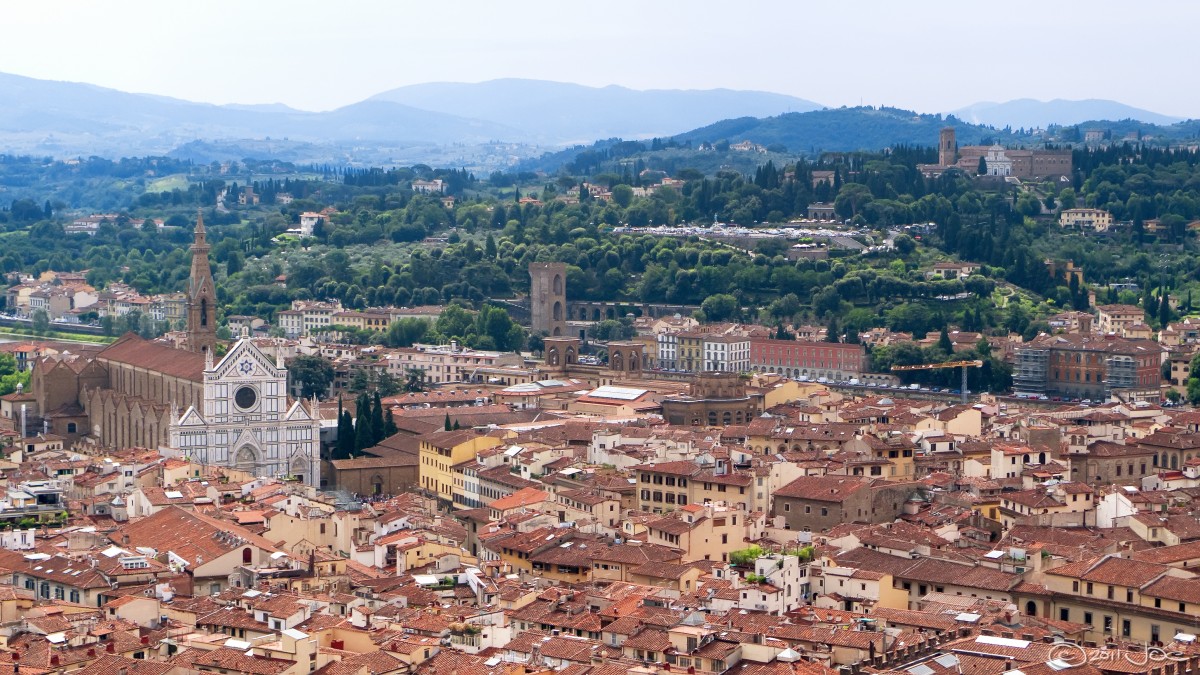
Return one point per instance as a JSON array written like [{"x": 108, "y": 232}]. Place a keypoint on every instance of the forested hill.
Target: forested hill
[
  {"x": 845, "y": 129},
  {"x": 799, "y": 134},
  {"x": 872, "y": 129},
  {"x": 865, "y": 129}
]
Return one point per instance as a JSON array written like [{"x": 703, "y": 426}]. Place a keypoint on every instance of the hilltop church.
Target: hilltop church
[{"x": 140, "y": 393}]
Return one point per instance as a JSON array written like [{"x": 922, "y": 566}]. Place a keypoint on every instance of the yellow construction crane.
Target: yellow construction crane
[{"x": 949, "y": 364}]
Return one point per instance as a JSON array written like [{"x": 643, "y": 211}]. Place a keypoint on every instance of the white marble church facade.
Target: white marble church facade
[{"x": 244, "y": 420}]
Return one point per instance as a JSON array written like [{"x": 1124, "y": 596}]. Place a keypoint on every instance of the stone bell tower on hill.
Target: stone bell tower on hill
[
  {"x": 548, "y": 297},
  {"x": 947, "y": 147},
  {"x": 202, "y": 296}
]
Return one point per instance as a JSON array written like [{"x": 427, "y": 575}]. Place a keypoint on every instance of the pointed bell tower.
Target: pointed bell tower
[{"x": 202, "y": 296}]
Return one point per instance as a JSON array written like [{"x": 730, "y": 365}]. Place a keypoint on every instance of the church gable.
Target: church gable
[
  {"x": 246, "y": 361},
  {"x": 93, "y": 369},
  {"x": 191, "y": 418},
  {"x": 297, "y": 413},
  {"x": 246, "y": 439}
]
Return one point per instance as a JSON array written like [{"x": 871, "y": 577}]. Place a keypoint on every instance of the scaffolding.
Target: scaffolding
[
  {"x": 1031, "y": 373},
  {"x": 1122, "y": 373}
]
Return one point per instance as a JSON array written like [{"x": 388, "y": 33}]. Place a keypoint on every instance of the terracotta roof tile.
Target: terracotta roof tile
[{"x": 136, "y": 351}]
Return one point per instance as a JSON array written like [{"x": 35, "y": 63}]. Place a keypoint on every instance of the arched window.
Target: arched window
[
  {"x": 558, "y": 311},
  {"x": 204, "y": 311},
  {"x": 247, "y": 555},
  {"x": 558, "y": 289}
]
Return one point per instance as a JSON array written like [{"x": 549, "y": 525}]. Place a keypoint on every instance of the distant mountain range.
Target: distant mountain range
[
  {"x": 65, "y": 118},
  {"x": 460, "y": 124},
  {"x": 560, "y": 113},
  {"x": 1029, "y": 113},
  {"x": 69, "y": 118}
]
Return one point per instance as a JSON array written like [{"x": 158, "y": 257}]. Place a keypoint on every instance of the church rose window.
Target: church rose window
[{"x": 245, "y": 397}]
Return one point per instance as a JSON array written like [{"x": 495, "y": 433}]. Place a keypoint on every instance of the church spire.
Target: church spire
[{"x": 202, "y": 299}]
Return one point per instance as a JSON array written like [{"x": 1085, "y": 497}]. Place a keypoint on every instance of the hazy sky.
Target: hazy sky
[{"x": 315, "y": 55}]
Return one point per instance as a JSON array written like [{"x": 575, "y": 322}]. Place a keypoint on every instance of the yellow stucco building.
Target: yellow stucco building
[{"x": 441, "y": 450}]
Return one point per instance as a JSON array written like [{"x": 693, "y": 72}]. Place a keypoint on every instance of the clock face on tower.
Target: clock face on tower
[{"x": 246, "y": 366}]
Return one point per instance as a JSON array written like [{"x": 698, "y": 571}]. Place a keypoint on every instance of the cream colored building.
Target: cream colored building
[
  {"x": 1124, "y": 599},
  {"x": 444, "y": 364},
  {"x": 1098, "y": 220},
  {"x": 705, "y": 531},
  {"x": 857, "y": 590}
]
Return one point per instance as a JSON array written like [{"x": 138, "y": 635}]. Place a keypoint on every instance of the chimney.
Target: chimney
[{"x": 111, "y": 648}]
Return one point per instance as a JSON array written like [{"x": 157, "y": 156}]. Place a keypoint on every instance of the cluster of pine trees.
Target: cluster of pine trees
[{"x": 369, "y": 425}]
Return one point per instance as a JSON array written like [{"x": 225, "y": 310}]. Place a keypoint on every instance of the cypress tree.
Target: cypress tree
[
  {"x": 340, "y": 411},
  {"x": 345, "y": 444},
  {"x": 364, "y": 437},
  {"x": 377, "y": 419},
  {"x": 447, "y": 424},
  {"x": 831, "y": 331},
  {"x": 944, "y": 342}
]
